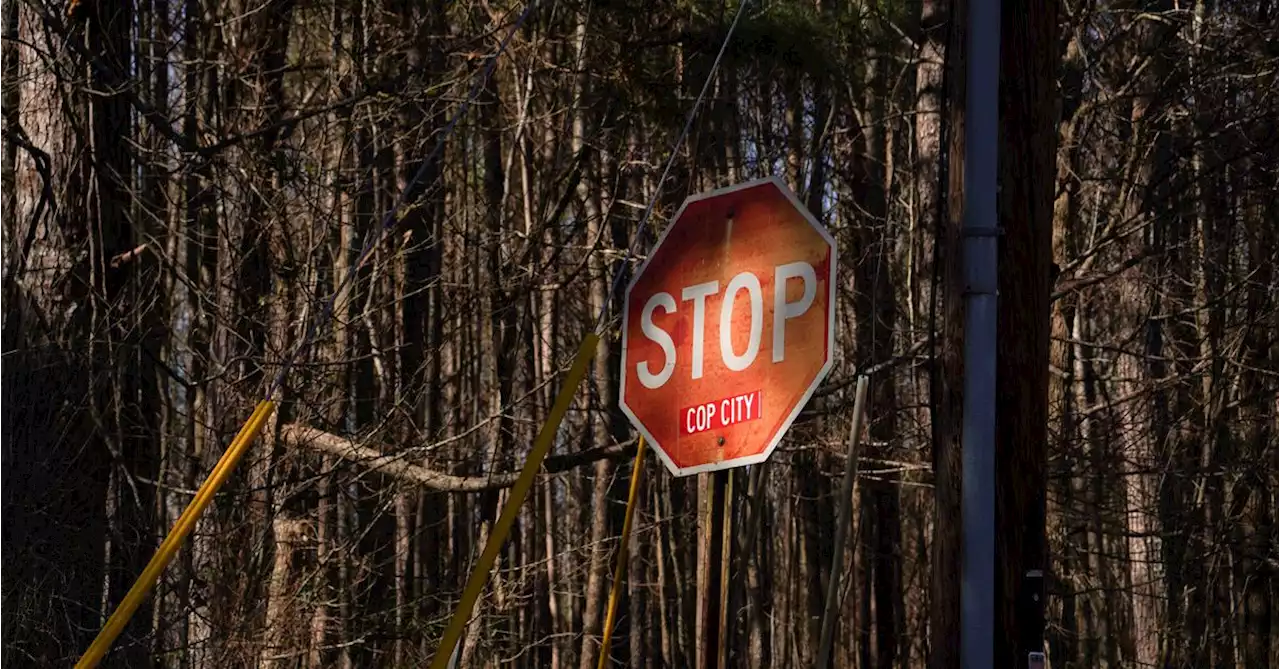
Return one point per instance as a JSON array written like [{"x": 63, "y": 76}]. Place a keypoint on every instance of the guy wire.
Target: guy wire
[{"x": 657, "y": 188}]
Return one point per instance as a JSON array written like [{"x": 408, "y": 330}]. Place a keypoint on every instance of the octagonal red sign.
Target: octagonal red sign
[{"x": 728, "y": 327}]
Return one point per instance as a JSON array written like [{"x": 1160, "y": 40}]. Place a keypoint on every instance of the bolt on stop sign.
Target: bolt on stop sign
[{"x": 729, "y": 326}]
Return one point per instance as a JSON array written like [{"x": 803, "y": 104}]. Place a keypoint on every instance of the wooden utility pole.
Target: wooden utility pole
[
  {"x": 714, "y": 544},
  {"x": 979, "y": 259},
  {"x": 734, "y": 392},
  {"x": 1027, "y": 145}
]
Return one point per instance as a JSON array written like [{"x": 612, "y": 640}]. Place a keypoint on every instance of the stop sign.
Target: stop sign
[{"x": 728, "y": 327}]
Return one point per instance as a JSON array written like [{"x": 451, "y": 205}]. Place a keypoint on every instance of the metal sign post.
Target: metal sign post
[
  {"x": 728, "y": 328},
  {"x": 978, "y": 443}
]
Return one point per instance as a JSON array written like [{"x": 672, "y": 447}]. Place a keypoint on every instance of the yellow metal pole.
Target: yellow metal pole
[
  {"x": 186, "y": 522},
  {"x": 541, "y": 445},
  {"x": 620, "y": 569}
]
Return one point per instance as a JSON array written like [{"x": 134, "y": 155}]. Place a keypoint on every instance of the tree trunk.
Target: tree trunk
[
  {"x": 118, "y": 309},
  {"x": 421, "y": 317},
  {"x": 946, "y": 382},
  {"x": 1029, "y": 57},
  {"x": 607, "y": 426},
  {"x": 1259, "y": 525},
  {"x": 12, "y": 98},
  {"x": 1063, "y": 407},
  {"x": 283, "y": 632}
]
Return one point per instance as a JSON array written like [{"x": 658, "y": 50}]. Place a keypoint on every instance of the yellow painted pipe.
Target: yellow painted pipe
[
  {"x": 620, "y": 569},
  {"x": 541, "y": 445},
  {"x": 169, "y": 547}
]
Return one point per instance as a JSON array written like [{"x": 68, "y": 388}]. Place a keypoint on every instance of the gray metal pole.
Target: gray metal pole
[
  {"x": 978, "y": 483},
  {"x": 845, "y": 519}
]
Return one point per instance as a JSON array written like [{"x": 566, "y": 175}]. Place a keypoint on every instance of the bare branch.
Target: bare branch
[{"x": 395, "y": 465}]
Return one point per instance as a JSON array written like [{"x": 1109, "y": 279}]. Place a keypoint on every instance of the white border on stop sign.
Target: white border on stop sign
[{"x": 817, "y": 380}]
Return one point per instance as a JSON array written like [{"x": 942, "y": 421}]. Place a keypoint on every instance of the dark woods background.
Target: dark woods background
[{"x": 184, "y": 180}]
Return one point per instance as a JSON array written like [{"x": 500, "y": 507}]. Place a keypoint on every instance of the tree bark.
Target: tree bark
[
  {"x": 418, "y": 535},
  {"x": 122, "y": 373},
  {"x": 1028, "y": 75},
  {"x": 946, "y": 380}
]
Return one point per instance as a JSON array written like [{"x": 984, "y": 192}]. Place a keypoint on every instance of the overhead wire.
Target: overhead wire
[
  {"x": 405, "y": 201},
  {"x": 637, "y": 469},
  {"x": 447, "y": 652},
  {"x": 675, "y": 151}
]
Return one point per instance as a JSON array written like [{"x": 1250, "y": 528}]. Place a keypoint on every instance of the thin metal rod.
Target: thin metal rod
[
  {"x": 620, "y": 569},
  {"x": 845, "y": 519},
  {"x": 169, "y": 547},
  {"x": 498, "y": 535},
  {"x": 978, "y": 482}
]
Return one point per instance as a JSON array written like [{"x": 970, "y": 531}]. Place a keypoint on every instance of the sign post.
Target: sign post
[
  {"x": 715, "y": 495},
  {"x": 728, "y": 328}
]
